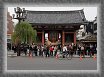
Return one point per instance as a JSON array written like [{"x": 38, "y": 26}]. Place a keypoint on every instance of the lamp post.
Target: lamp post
[{"x": 21, "y": 14}]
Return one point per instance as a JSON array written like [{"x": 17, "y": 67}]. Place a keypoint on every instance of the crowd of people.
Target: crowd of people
[{"x": 48, "y": 51}]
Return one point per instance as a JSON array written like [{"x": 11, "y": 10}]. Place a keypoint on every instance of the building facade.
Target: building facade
[
  {"x": 56, "y": 27},
  {"x": 91, "y": 36},
  {"x": 10, "y": 28}
]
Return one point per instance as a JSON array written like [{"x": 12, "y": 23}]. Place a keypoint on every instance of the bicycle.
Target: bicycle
[{"x": 66, "y": 54}]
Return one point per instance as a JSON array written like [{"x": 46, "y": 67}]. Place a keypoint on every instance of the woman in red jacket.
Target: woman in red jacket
[{"x": 51, "y": 51}]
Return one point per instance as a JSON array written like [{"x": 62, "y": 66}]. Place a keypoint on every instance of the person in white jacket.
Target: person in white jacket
[{"x": 64, "y": 50}]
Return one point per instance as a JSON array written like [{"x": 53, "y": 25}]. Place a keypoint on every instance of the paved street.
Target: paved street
[{"x": 42, "y": 63}]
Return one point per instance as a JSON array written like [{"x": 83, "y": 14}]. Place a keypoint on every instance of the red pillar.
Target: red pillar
[
  {"x": 63, "y": 38},
  {"x": 43, "y": 37},
  {"x": 74, "y": 37}
]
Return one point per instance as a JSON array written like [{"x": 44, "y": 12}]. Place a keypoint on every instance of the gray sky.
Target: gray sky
[{"x": 90, "y": 12}]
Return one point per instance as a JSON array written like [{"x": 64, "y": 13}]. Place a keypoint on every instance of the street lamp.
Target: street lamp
[{"x": 20, "y": 14}]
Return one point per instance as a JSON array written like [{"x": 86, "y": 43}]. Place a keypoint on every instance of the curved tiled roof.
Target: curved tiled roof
[
  {"x": 56, "y": 17},
  {"x": 89, "y": 38}
]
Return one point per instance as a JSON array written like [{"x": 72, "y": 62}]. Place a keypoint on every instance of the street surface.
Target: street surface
[{"x": 51, "y": 63}]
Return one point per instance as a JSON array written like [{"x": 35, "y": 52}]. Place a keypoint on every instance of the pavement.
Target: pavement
[
  {"x": 50, "y": 63},
  {"x": 23, "y": 62}
]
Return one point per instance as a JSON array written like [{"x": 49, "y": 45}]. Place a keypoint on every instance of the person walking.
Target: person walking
[{"x": 79, "y": 49}]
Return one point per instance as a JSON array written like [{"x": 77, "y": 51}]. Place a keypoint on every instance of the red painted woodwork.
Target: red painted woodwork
[
  {"x": 74, "y": 37},
  {"x": 43, "y": 37},
  {"x": 63, "y": 38}
]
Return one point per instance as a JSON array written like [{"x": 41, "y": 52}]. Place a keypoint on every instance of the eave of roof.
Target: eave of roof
[
  {"x": 47, "y": 12},
  {"x": 89, "y": 38}
]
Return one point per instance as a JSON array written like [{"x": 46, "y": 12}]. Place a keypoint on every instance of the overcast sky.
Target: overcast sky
[{"x": 90, "y": 12}]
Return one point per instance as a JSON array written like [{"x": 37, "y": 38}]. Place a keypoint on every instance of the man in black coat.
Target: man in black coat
[
  {"x": 35, "y": 50},
  {"x": 47, "y": 51}
]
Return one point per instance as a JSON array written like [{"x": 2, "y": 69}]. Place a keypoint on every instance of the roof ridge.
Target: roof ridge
[{"x": 56, "y": 11}]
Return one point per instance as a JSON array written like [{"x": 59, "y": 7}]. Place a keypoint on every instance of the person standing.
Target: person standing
[
  {"x": 25, "y": 49},
  {"x": 64, "y": 48},
  {"x": 74, "y": 48},
  {"x": 82, "y": 51},
  {"x": 31, "y": 50},
  {"x": 79, "y": 49},
  {"x": 51, "y": 50},
  {"x": 39, "y": 50},
  {"x": 55, "y": 50},
  {"x": 91, "y": 50},
  {"x": 35, "y": 50},
  {"x": 42, "y": 50},
  {"x": 59, "y": 47},
  {"x": 71, "y": 50},
  {"x": 47, "y": 51},
  {"x": 95, "y": 49},
  {"x": 14, "y": 48},
  {"x": 21, "y": 48},
  {"x": 68, "y": 48},
  {"x": 18, "y": 49}
]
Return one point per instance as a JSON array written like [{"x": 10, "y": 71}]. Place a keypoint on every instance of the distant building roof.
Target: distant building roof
[
  {"x": 56, "y": 17},
  {"x": 89, "y": 38}
]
